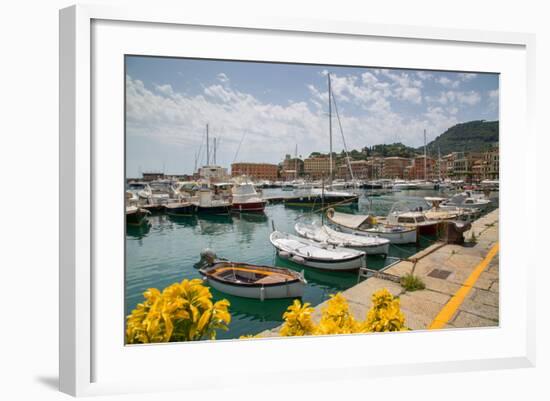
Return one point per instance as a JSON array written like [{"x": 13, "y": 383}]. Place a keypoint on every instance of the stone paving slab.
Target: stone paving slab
[{"x": 465, "y": 319}]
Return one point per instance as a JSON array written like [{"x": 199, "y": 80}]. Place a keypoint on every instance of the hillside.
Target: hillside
[{"x": 477, "y": 136}]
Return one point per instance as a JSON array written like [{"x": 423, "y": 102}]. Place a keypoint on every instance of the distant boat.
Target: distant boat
[
  {"x": 402, "y": 185},
  {"x": 208, "y": 205},
  {"x": 252, "y": 281},
  {"x": 467, "y": 199},
  {"x": 246, "y": 199},
  {"x": 180, "y": 208},
  {"x": 312, "y": 254},
  {"x": 447, "y": 213},
  {"x": 325, "y": 234},
  {"x": 136, "y": 216},
  {"x": 318, "y": 196},
  {"x": 367, "y": 225}
]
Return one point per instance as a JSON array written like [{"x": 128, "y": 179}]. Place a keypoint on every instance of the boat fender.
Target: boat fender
[
  {"x": 262, "y": 293},
  {"x": 298, "y": 259},
  {"x": 284, "y": 254}
]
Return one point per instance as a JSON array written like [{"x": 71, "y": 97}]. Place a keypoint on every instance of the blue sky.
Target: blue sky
[{"x": 275, "y": 107}]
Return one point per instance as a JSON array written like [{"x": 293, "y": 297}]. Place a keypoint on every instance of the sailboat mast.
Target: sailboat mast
[
  {"x": 330, "y": 127},
  {"x": 214, "y": 162},
  {"x": 439, "y": 162},
  {"x": 425, "y": 158},
  {"x": 296, "y": 162},
  {"x": 207, "y": 147}
]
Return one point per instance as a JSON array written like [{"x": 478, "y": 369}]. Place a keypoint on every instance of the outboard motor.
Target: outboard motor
[{"x": 208, "y": 258}]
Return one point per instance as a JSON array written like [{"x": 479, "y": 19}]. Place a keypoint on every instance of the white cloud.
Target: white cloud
[
  {"x": 453, "y": 97},
  {"x": 449, "y": 83},
  {"x": 165, "y": 89},
  {"x": 466, "y": 76},
  {"x": 222, "y": 77},
  {"x": 424, "y": 75},
  {"x": 167, "y": 116},
  {"x": 493, "y": 94},
  {"x": 470, "y": 98}
]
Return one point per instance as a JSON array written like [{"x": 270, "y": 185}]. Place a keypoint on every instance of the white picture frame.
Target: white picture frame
[{"x": 82, "y": 346}]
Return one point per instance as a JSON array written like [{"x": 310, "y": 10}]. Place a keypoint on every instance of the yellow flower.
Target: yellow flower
[
  {"x": 336, "y": 318},
  {"x": 181, "y": 312}
]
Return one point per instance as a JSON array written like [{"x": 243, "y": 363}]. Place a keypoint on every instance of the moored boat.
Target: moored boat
[
  {"x": 325, "y": 234},
  {"x": 245, "y": 198},
  {"x": 208, "y": 205},
  {"x": 252, "y": 281},
  {"x": 401, "y": 215},
  {"x": 136, "y": 216},
  {"x": 467, "y": 199},
  {"x": 313, "y": 254},
  {"x": 180, "y": 208},
  {"x": 318, "y": 197},
  {"x": 448, "y": 213},
  {"x": 367, "y": 225}
]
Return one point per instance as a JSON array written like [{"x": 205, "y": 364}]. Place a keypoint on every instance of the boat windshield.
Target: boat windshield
[{"x": 137, "y": 187}]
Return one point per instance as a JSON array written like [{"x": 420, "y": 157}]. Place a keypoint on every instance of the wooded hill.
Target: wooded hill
[{"x": 476, "y": 136}]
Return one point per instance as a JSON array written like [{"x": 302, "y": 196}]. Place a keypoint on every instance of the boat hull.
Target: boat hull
[
  {"x": 290, "y": 290},
  {"x": 401, "y": 237},
  {"x": 317, "y": 200},
  {"x": 223, "y": 209},
  {"x": 184, "y": 210},
  {"x": 256, "y": 207},
  {"x": 137, "y": 218},
  {"x": 368, "y": 248},
  {"x": 347, "y": 265}
]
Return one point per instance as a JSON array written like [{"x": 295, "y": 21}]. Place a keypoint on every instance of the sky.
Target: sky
[{"x": 259, "y": 112}]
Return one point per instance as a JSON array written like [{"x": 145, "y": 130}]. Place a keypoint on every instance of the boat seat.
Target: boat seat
[{"x": 273, "y": 278}]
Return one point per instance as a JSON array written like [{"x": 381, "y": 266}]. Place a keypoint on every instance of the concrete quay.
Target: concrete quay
[{"x": 462, "y": 284}]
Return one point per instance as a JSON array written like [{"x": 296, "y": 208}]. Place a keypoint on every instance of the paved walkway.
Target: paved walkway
[{"x": 462, "y": 287}]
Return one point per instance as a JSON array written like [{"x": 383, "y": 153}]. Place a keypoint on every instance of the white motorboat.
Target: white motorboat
[
  {"x": 436, "y": 212},
  {"x": 401, "y": 215},
  {"x": 313, "y": 254},
  {"x": 252, "y": 281},
  {"x": 140, "y": 190},
  {"x": 467, "y": 199},
  {"x": 325, "y": 234},
  {"x": 402, "y": 185},
  {"x": 367, "y": 225},
  {"x": 246, "y": 199}
]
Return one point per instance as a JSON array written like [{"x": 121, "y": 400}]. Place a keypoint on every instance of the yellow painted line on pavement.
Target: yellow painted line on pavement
[{"x": 447, "y": 312}]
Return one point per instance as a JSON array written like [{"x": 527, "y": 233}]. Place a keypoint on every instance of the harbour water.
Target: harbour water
[{"x": 166, "y": 251}]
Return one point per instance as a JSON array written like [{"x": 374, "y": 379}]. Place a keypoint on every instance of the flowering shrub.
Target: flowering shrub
[
  {"x": 298, "y": 320},
  {"x": 181, "y": 312},
  {"x": 336, "y": 318},
  {"x": 385, "y": 313}
]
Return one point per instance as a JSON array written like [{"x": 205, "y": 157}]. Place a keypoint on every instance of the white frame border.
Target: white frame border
[{"x": 75, "y": 278}]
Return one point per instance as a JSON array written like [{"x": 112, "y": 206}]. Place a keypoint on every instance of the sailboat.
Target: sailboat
[
  {"x": 310, "y": 196},
  {"x": 425, "y": 184}
]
